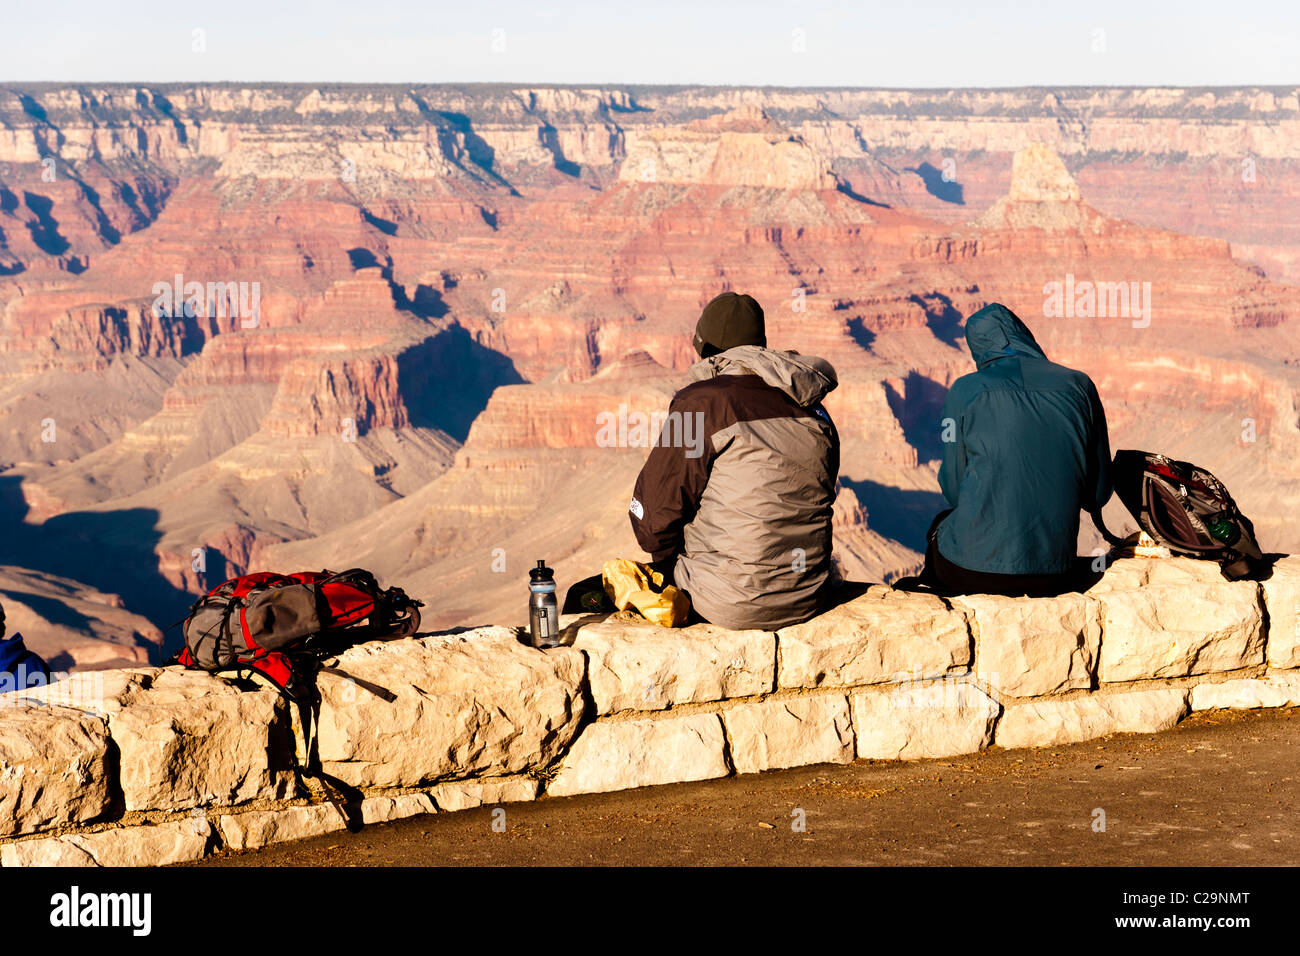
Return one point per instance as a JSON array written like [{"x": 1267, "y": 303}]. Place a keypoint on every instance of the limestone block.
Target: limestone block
[
  {"x": 633, "y": 667},
  {"x": 399, "y": 807},
  {"x": 1282, "y": 598},
  {"x": 882, "y": 635},
  {"x": 467, "y": 794},
  {"x": 474, "y": 703},
  {"x": 54, "y": 767},
  {"x": 935, "y": 719},
  {"x": 1045, "y": 723},
  {"x": 1029, "y": 647},
  {"x": 1275, "y": 690},
  {"x": 158, "y": 845},
  {"x": 619, "y": 754},
  {"x": 258, "y": 828},
  {"x": 789, "y": 732},
  {"x": 201, "y": 742},
  {"x": 1173, "y": 617}
]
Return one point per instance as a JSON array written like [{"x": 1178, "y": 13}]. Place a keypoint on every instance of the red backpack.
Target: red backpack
[{"x": 284, "y": 625}]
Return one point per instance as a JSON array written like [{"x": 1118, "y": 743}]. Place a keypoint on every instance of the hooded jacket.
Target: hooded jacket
[
  {"x": 19, "y": 667},
  {"x": 1025, "y": 449},
  {"x": 746, "y": 510}
]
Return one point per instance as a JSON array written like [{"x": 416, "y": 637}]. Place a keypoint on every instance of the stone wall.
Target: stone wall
[{"x": 159, "y": 765}]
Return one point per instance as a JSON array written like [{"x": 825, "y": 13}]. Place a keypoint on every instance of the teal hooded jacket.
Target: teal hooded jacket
[{"x": 1025, "y": 450}]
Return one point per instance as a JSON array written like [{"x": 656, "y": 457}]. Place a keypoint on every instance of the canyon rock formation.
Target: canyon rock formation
[{"x": 272, "y": 326}]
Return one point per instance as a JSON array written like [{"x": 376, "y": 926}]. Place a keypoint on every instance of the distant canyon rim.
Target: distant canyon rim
[{"x": 293, "y": 326}]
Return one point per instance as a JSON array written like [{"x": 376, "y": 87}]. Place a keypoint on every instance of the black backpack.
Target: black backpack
[{"x": 1185, "y": 509}]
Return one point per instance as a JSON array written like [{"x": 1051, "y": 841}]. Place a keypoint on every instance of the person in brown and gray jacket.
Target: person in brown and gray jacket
[{"x": 735, "y": 501}]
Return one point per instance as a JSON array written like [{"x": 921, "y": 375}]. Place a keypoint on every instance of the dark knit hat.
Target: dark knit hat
[{"x": 729, "y": 320}]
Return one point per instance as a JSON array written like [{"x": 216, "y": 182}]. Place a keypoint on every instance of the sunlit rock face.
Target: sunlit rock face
[
  {"x": 1038, "y": 175},
  {"x": 288, "y": 326}
]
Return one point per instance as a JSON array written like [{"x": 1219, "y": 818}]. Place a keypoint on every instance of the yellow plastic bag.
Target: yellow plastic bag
[{"x": 631, "y": 584}]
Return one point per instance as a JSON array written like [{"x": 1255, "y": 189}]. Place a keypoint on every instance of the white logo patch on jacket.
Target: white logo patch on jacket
[{"x": 637, "y": 509}]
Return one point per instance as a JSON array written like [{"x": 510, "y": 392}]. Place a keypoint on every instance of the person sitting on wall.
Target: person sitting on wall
[
  {"x": 1025, "y": 450},
  {"x": 741, "y": 518}
]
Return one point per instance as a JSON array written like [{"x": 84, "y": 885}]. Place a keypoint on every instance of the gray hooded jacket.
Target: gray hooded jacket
[{"x": 747, "y": 515}]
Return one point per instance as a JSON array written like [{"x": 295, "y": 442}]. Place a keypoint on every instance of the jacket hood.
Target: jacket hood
[
  {"x": 995, "y": 332},
  {"x": 805, "y": 378}
]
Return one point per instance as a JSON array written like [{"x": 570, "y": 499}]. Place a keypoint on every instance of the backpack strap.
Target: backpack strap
[
  {"x": 309, "y": 715},
  {"x": 1112, "y": 539},
  {"x": 1237, "y": 566}
]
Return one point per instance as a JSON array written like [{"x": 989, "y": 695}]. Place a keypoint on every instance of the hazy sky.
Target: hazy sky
[{"x": 889, "y": 43}]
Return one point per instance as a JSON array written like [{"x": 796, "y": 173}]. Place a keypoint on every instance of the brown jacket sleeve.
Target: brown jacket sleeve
[{"x": 671, "y": 482}]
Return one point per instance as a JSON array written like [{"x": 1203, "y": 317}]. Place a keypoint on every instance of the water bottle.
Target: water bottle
[{"x": 543, "y": 612}]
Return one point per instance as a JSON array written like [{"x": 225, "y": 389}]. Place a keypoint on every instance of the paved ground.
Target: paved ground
[{"x": 1220, "y": 789}]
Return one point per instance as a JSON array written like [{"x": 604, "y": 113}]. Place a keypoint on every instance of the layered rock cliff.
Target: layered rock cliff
[{"x": 378, "y": 325}]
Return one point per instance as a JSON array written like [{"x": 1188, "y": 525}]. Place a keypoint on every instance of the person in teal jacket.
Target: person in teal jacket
[{"x": 1025, "y": 449}]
